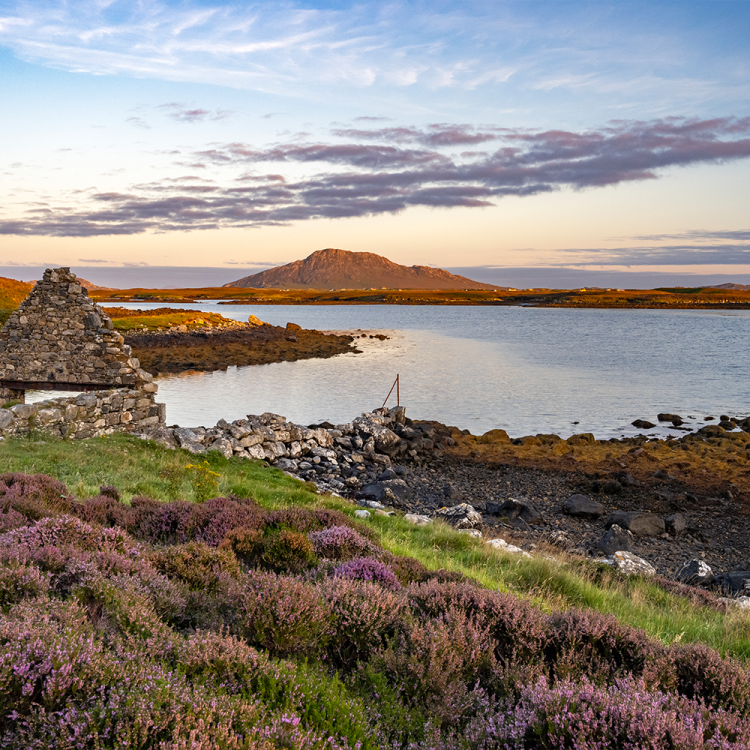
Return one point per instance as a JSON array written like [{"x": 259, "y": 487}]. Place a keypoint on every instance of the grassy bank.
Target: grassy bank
[
  {"x": 150, "y": 598},
  {"x": 140, "y": 468}
]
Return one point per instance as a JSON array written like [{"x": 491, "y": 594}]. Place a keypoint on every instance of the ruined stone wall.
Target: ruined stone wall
[
  {"x": 58, "y": 334},
  {"x": 85, "y": 415}
]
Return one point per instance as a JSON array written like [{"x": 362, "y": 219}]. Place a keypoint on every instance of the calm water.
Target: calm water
[{"x": 523, "y": 369}]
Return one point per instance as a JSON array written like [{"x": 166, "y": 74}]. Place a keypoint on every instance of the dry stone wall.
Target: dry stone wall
[
  {"x": 85, "y": 415},
  {"x": 60, "y": 337}
]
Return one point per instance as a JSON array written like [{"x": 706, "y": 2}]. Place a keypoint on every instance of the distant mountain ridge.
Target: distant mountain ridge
[{"x": 341, "y": 269}]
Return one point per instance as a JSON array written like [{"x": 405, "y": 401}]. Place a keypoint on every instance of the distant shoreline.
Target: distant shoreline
[{"x": 701, "y": 298}]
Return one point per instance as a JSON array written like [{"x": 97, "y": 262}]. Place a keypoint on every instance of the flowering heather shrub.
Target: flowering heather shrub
[
  {"x": 580, "y": 716},
  {"x": 440, "y": 664},
  {"x": 306, "y": 520},
  {"x": 365, "y": 614},
  {"x": 34, "y": 496},
  {"x": 601, "y": 648},
  {"x": 702, "y": 674},
  {"x": 213, "y": 519},
  {"x": 47, "y": 651},
  {"x": 109, "y": 491},
  {"x": 104, "y": 510},
  {"x": 287, "y": 551},
  {"x": 340, "y": 543},
  {"x": 696, "y": 596},
  {"x": 68, "y": 531},
  {"x": 11, "y": 519},
  {"x": 368, "y": 569},
  {"x": 161, "y": 523},
  {"x": 276, "y": 613},
  {"x": 201, "y": 567},
  {"x": 245, "y": 543},
  {"x": 519, "y": 630},
  {"x": 18, "y": 582}
]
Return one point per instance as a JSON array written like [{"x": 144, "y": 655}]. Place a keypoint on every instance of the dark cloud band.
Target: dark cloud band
[{"x": 387, "y": 170}]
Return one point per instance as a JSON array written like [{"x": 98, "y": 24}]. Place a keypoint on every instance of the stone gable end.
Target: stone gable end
[
  {"x": 59, "y": 339},
  {"x": 59, "y": 334}
]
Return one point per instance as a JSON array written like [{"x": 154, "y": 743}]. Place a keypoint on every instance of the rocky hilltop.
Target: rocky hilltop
[{"x": 341, "y": 269}]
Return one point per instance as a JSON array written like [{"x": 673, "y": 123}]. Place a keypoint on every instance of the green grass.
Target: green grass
[{"x": 138, "y": 467}]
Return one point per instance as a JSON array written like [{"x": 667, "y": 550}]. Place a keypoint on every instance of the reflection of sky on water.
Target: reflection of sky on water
[{"x": 526, "y": 370}]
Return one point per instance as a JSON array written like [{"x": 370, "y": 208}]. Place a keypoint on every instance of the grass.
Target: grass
[
  {"x": 139, "y": 467},
  {"x": 152, "y": 320}
]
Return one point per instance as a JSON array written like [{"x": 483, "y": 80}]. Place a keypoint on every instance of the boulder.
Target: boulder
[
  {"x": 223, "y": 446},
  {"x": 362, "y": 513},
  {"x": 384, "y": 440},
  {"x": 643, "y": 424},
  {"x": 736, "y": 582},
  {"x": 582, "y": 506},
  {"x": 398, "y": 487},
  {"x": 632, "y": 565},
  {"x": 417, "y": 520},
  {"x": 185, "y": 437},
  {"x": 513, "y": 508},
  {"x": 462, "y": 516},
  {"x": 675, "y": 419},
  {"x": 712, "y": 430},
  {"x": 6, "y": 418},
  {"x": 502, "y": 545},
  {"x": 695, "y": 573},
  {"x": 639, "y": 522},
  {"x": 741, "y": 602},
  {"x": 287, "y": 464},
  {"x": 616, "y": 539},
  {"x": 675, "y": 524},
  {"x": 471, "y": 532}
]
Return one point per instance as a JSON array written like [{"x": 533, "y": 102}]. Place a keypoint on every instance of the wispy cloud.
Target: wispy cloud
[
  {"x": 184, "y": 113},
  {"x": 538, "y": 47},
  {"x": 361, "y": 179}
]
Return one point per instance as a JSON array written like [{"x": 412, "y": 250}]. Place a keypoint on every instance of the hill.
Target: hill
[
  {"x": 13, "y": 292},
  {"x": 341, "y": 269}
]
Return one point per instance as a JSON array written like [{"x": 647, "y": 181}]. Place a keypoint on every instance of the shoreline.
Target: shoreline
[{"x": 686, "y": 499}]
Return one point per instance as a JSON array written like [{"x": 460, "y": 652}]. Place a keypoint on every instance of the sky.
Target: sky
[{"x": 524, "y": 143}]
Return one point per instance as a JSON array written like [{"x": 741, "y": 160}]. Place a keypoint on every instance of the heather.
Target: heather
[{"x": 133, "y": 615}]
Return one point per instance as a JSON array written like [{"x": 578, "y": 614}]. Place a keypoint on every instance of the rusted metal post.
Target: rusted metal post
[{"x": 398, "y": 396}]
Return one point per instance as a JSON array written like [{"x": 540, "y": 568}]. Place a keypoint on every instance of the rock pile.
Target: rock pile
[
  {"x": 357, "y": 456},
  {"x": 59, "y": 335}
]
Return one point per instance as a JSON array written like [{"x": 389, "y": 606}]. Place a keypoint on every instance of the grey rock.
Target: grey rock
[
  {"x": 223, "y": 446},
  {"x": 185, "y": 437},
  {"x": 630, "y": 564},
  {"x": 640, "y": 523},
  {"x": 287, "y": 464},
  {"x": 461, "y": 516},
  {"x": 513, "y": 508},
  {"x": 417, "y": 520},
  {"x": 582, "y": 506},
  {"x": 6, "y": 418},
  {"x": 397, "y": 486},
  {"x": 616, "y": 539},
  {"x": 362, "y": 513},
  {"x": 695, "y": 573},
  {"x": 736, "y": 582},
  {"x": 675, "y": 524}
]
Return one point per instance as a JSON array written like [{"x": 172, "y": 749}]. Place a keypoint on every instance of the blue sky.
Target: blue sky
[{"x": 592, "y": 136}]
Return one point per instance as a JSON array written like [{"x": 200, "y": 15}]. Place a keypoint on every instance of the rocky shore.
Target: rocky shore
[
  {"x": 220, "y": 347},
  {"x": 390, "y": 464}
]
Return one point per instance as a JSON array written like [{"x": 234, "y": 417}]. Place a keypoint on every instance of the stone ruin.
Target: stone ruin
[{"x": 59, "y": 339}]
